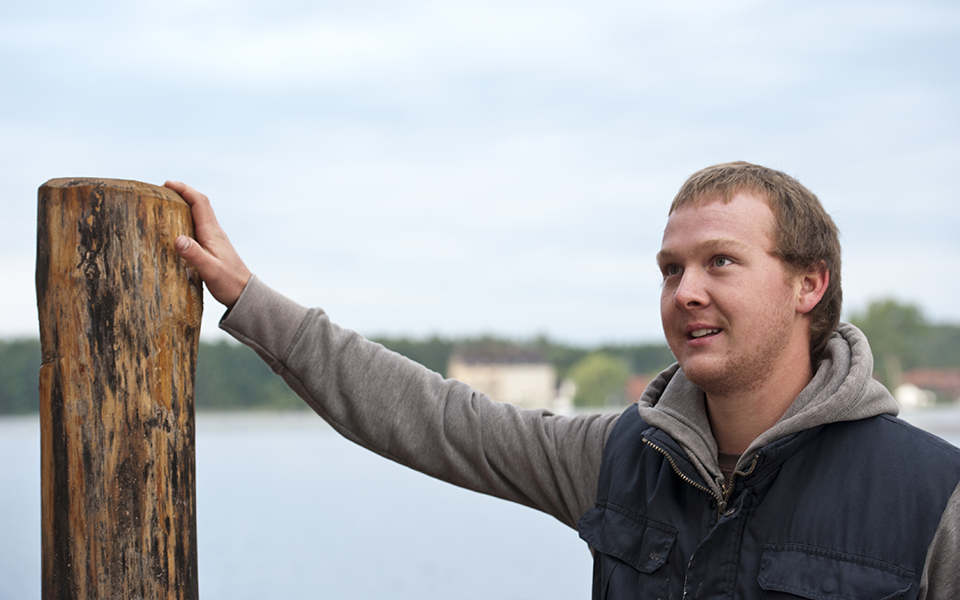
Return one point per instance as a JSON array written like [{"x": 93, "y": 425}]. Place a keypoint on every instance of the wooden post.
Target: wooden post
[{"x": 119, "y": 326}]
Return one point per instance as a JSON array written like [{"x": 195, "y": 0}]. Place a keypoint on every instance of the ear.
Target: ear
[{"x": 813, "y": 285}]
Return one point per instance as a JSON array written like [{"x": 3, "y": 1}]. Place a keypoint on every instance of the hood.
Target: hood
[{"x": 842, "y": 389}]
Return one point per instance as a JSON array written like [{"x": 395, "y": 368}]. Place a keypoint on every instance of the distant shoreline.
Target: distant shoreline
[{"x": 943, "y": 421}]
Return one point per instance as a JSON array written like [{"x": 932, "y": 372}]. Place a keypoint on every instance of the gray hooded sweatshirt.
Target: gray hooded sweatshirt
[{"x": 443, "y": 428}]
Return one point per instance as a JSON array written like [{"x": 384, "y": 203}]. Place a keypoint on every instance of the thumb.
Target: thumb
[
  {"x": 224, "y": 281},
  {"x": 198, "y": 258},
  {"x": 183, "y": 244}
]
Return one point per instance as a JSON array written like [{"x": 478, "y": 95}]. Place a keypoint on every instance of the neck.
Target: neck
[{"x": 738, "y": 417}]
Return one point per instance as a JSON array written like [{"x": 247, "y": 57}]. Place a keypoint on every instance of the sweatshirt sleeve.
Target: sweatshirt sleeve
[
  {"x": 409, "y": 414},
  {"x": 941, "y": 573}
]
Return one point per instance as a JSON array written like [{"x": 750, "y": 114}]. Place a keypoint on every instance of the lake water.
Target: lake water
[{"x": 288, "y": 509}]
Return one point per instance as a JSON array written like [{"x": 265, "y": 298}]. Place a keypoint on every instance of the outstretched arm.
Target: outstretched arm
[
  {"x": 211, "y": 254},
  {"x": 393, "y": 406}
]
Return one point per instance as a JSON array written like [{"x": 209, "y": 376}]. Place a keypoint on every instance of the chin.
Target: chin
[{"x": 707, "y": 375}]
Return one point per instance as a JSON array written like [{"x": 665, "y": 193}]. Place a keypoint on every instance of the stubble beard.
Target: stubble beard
[{"x": 741, "y": 370}]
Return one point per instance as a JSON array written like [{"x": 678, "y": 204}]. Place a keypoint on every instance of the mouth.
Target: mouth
[{"x": 703, "y": 332}]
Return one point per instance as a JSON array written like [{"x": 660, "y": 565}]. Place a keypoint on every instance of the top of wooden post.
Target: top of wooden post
[{"x": 137, "y": 187}]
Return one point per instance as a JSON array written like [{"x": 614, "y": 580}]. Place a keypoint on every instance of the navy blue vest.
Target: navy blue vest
[{"x": 842, "y": 511}]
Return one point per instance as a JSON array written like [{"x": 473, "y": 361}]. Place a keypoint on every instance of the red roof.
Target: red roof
[{"x": 945, "y": 381}]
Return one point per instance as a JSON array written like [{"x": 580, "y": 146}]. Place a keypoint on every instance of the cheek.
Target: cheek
[
  {"x": 670, "y": 317},
  {"x": 666, "y": 304},
  {"x": 779, "y": 300}
]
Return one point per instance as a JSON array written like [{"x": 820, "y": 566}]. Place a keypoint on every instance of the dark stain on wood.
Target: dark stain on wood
[{"x": 120, "y": 321}]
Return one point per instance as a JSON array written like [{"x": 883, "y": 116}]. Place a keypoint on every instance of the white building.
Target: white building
[{"x": 506, "y": 373}]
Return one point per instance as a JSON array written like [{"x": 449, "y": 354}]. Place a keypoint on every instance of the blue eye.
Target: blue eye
[
  {"x": 671, "y": 270},
  {"x": 722, "y": 261}
]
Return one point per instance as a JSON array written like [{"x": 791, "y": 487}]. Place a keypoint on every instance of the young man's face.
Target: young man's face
[{"x": 728, "y": 305}]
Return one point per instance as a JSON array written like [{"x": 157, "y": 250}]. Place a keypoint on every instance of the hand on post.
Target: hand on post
[{"x": 211, "y": 254}]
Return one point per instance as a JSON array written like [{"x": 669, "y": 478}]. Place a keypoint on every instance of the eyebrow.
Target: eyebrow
[{"x": 713, "y": 244}]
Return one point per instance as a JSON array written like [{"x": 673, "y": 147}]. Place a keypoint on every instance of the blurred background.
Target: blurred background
[
  {"x": 462, "y": 179},
  {"x": 488, "y": 167}
]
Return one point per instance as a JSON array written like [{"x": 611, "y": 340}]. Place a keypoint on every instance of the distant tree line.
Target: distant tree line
[
  {"x": 434, "y": 352},
  {"x": 600, "y": 373},
  {"x": 232, "y": 377},
  {"x": 19, "y": 377},
  {"x": 229, "y": 377},
  {"x": 902, "y": 339}
]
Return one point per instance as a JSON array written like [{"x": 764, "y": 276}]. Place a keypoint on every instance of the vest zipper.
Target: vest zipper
[
  {"x": 676, "y": 470},
  {"x": 724, "y": 498},
  {"x": 728, "y": 487}
]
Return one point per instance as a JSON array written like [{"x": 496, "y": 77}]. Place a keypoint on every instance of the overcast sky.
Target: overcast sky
[{"x": 488, "y": 167}]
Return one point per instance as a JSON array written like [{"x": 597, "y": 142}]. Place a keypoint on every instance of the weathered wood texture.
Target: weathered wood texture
[{"x": 119, "y": 326}]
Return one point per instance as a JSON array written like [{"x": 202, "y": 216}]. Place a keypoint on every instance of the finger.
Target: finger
[
  {"x": 177, "y": 186},
  {"x": 190, "y": 195},
  {"x": 203, "y": 214}
]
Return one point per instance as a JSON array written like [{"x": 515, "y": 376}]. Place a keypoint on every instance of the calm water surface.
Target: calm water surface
[{"x": 288, "y": 509}]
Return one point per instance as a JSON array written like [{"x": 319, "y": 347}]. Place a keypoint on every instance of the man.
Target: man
[{"x": 766, "y": 463}]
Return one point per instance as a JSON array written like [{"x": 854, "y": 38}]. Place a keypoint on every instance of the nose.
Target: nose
[{"x": 691, "y": 291}]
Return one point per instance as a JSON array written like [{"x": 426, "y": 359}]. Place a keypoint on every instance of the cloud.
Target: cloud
[
  {"x": 921, "y": 276},
  {"x": 422, "y": 166}
]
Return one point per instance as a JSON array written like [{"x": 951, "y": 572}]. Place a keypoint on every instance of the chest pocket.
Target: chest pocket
[
  {"x": 633, "y": 552},
  {"x": 818, "y": 574}
]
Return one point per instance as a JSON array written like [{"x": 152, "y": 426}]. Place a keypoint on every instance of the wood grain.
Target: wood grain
[{"x": 119, "y": 327}]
